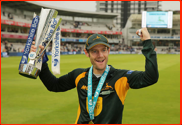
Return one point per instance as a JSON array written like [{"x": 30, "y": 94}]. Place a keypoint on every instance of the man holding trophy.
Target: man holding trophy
[
  {"x": 47, "y": 29},
  {"x": 101, "y": 88}
]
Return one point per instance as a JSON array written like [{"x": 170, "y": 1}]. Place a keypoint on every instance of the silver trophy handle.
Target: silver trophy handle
[
  {"x": 52, "y": 14},
  {"x": 49, "y": 40}
]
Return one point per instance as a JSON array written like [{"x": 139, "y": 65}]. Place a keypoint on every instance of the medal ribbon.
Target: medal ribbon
[{"x": 91, "y": 105}]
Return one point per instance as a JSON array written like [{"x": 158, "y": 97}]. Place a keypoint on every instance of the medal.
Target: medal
[{"x": 91, "y": 122}]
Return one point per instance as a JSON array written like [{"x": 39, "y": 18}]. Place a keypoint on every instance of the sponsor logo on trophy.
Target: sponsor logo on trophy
[{"x": 45, "y": 28}]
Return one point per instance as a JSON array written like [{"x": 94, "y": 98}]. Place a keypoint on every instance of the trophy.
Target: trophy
[{"x": 46, "y": 27}]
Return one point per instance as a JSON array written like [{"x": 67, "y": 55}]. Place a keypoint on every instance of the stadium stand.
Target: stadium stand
[
  {"x": 76, "y": 27},
  {"x": 166, "y": 40}
]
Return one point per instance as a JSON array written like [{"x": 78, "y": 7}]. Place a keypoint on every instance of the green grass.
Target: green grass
[{"x": 27, "y": 101}]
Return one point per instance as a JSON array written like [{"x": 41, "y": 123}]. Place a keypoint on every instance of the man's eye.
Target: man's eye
[
  {"x": 94, "y": 51},
  {"x": 104, "y": 50}
]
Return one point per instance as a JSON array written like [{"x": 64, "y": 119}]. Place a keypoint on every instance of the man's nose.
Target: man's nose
[{"x": 100, "y": 54}]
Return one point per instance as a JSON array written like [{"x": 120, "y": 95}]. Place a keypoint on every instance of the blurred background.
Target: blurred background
[
  {"x": 26, "y": 101},
  {"x": 117, "y": 20}
]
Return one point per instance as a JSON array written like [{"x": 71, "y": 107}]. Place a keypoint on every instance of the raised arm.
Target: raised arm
[{"x": 139, "y": 79}]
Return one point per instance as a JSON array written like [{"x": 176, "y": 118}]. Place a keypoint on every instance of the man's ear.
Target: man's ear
[{"x": 86, "y": 53}]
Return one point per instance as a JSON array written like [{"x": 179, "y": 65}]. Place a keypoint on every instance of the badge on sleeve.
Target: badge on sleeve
[{"x": 129, "y": 72}]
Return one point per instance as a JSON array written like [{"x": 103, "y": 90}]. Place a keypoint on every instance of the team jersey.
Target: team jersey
[{"x": 110, "y": 103}]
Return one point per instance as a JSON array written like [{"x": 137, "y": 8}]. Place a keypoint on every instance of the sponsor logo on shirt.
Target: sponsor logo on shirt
[
  {"x": 84, "y": 87},
  {"x": 98, "y": 106},
  {"x": 107, "y": 87}
]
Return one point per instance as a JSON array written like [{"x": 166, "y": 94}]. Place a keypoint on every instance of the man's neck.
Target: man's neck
[{"x": 97, "y": 72}]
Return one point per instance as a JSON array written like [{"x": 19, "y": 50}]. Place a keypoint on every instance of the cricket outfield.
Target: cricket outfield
[{"x": 27, "y": 101}]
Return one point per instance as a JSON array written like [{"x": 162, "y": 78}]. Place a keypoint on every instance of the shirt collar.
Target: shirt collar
[{"x": 111, "y": 71}]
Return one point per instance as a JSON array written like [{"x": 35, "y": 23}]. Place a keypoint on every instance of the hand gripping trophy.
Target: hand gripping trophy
[{"x": 47, "y": 29}]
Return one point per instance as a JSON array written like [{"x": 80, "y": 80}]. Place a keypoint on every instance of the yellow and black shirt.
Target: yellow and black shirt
[{"x": 110, "y": 103}]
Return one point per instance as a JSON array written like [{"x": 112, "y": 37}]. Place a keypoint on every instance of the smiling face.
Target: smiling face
[{"x": 98, "y": 57}]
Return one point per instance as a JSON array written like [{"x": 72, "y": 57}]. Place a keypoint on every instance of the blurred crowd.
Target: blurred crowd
[
  {"x": 71, "y": 47},
  {"x": 8, "y": 47},
  {"x": 74, "y": 47},
  {"x": 14, "y": 29},
  {"x": 79, "y": 24},
  {"x": 9, "y": 15}
]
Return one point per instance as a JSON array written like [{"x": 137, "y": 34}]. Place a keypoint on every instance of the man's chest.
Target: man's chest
[{"x": 106, "y": 89}]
